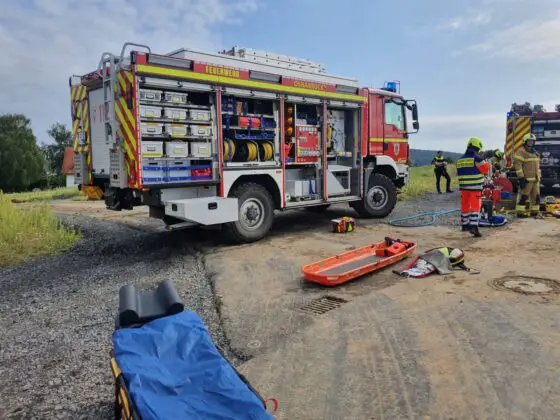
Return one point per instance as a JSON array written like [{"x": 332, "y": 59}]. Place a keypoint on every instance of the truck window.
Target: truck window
[{"x": 394, "y": 115}]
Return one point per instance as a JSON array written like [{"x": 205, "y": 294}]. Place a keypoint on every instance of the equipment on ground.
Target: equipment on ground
[
  {"x": 343, "y": 224},
  {"x": 166, "y": 366},
  {"x": 350, "y": 265},
  {"x": 534, "y": 122},
  {"x": 438, "y": 260},
  {"x": 228, "y": 138},
  {"x": 422, "y": 219}
]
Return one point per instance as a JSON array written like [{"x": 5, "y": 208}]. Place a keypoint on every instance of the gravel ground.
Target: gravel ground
[{"x": 57, "y": 316}]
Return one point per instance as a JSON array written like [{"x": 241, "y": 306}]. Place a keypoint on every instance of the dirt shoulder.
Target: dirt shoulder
[{"x": 441, "y": 347}]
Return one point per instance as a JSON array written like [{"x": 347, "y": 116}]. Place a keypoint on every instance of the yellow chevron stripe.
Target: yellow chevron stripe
[
  {"x": 128, "y": 151},
  {"x": 127, "y": 112},
  {"x": 128, "y": 134},
  {"x": 72, "y": 93},
  {"x": 75, "y": 127},
  {"x": 122, "y": 83},
  {"x": 185, "y": 74},
  {"x": 129, "y": 77}
]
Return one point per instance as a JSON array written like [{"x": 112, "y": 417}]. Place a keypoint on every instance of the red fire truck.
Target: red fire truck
[
  {"x": 229, "y": 137},
  {"x": 545, "y": 125}
]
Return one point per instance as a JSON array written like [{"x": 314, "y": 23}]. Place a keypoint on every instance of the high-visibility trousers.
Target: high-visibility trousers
[
  {"x": 471, "y": 204},
  {"x": 528, "y": 198}
]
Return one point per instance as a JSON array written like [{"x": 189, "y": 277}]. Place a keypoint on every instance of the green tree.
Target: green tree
[
  {"x": 54, "y": 152},
  {"x": 21, "y": 161}
]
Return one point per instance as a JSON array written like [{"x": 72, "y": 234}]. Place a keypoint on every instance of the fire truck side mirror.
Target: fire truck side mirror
[
  {"x": 415, "y": 114},
  {"x": 416, "y": 125}
]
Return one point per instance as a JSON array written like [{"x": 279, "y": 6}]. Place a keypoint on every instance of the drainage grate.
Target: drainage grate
[
  {"x": 322, "y": 305},
  {"x": 526, "y": 285}
]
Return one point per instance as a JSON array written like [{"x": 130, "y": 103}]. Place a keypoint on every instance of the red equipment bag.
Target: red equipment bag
[{"x": 251, "y": 122}]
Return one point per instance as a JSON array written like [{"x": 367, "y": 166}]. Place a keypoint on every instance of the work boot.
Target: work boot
[
  {"x": 476, "y": 233},
  {"x": 465, "y": 228},
  {"x": 449, "y": 191}
]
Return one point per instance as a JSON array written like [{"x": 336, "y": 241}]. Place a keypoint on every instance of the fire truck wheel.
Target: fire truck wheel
[
  {"x": 380, "y": 198},
  {"x": 256, "y": 213}
]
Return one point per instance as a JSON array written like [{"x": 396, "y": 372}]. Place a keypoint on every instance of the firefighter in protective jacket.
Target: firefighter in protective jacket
[
  {"x": 526, "y": 162},
  {"x": 472, "y": 171}
]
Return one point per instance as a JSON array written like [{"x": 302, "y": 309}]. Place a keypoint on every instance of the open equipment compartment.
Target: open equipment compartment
[
  {"x": 342, "y": 143},
  {"x": 178, "y": 133},
  {"x": 303, "y": 149},
  {"x": 249, "y": 130}
]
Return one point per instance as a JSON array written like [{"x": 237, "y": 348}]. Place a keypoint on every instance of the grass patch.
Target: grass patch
[
  {"x": 30, "y": 233},
  {"x": 423, "y": 180},
  {"x": 46, "y": 195},
  {"x": 81, "y": 197}
]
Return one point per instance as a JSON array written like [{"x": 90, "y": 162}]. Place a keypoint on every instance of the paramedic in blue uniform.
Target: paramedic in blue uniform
[{"x": 440, "y": 169}]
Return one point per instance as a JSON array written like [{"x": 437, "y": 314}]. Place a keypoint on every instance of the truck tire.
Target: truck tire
[
  {"x": 256, "y": 213},
  {"x": 379, "y": 199}
]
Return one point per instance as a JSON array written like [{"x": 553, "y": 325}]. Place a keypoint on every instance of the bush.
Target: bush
[{"x": 30, "y": 233}]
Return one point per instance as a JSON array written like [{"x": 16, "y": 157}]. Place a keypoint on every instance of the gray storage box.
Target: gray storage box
[
  {"x": 177, "y": 114},
  {"x": 201, "y": 149},
  {"x": 201, "y": 130},
  {"x": 150, "y": 95},
  {"x": 178, "y": 98},
  {"x": 118, "y": 175},
  {"x": 147, "y": 111},
  {"x": 199, "y": 115},
  {"x": 151, "y": 129},
  {"x": 152, "y": 149},
  {"x": 176, "y": 149},
  {"x": 176, "y": 130}
]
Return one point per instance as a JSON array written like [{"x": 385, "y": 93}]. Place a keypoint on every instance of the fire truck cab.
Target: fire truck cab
[{"x": 230, "y": 137}]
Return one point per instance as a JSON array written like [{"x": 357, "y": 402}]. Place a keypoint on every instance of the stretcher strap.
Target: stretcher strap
[{"x": 274, "y": 402}]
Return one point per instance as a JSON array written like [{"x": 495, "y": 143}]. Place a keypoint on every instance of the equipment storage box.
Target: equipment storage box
[
  {"x": 201, "y": 130},
  {"x": 152, "y": 129},
  {"x": 178, "y": 170},
  {"x": 117, "y": 169},
  {"x": 176, "y": 130},
  {"x": 199, "y": 115},
  {"x": 147, "y": 111},
  {"x": 152, "y": 149},
  {"x": 175, "y": 98},
  {"x": 176, "y": 114},
  {"x": 153, "y": 171},
  {"x": 201, "y": 150},
  {"x": 176, "y": 149},
  {"x": 150, "y": 95},
  {"x": 301, "y": 188}
]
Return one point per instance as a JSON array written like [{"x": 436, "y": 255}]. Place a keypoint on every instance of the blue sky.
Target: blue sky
[{"x": 465, "y": 62}]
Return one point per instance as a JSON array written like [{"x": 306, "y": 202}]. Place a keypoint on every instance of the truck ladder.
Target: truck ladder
[{"x": 108, "y": 68}]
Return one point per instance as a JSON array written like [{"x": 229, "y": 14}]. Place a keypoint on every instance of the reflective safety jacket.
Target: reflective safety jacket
[
  {"x": 472, "y": 170},
  {"x": 526, "y": 164},
  {"x": 438, "y": 161}
]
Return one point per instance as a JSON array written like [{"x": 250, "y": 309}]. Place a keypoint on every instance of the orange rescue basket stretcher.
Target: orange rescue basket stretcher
[{"x": 349, "y": 265}]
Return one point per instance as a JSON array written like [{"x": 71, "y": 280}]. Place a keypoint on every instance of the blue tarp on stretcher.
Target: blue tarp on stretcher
[{"x": 174, "y": 371}]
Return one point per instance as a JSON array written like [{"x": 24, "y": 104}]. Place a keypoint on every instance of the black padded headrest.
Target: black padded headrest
[{"x": 139, "y": 307}]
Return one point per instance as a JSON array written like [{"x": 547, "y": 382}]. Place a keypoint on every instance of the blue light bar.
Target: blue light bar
[{"x": 391, "y": 86}]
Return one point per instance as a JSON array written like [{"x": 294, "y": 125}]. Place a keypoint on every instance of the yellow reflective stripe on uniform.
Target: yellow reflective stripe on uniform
[
  {"x": 535, "y": 159},
  {"x": 479, "y": 176},
  {"x": 519, "y": 158},
  {"x": 465, "y": 163}
]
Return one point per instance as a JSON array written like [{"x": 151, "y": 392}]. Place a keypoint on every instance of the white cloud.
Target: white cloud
[
  {"x": 43, "y": 42},
  {"x": 473, "y": 18}
]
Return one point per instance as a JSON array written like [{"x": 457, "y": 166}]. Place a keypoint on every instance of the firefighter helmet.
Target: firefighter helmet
[
  {"x": 475, "y": 143},
  {"x": 499, "y": 154},
  {"x": 456, "y": 257},
  {"x": 528, "y": 137}
]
